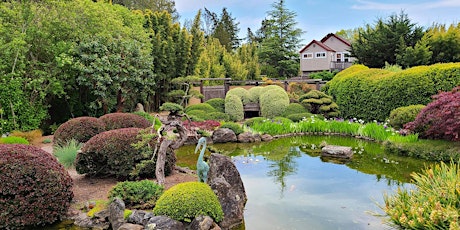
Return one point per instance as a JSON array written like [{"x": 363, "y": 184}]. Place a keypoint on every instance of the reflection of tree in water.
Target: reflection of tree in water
[{"x": 281, "y": 168}]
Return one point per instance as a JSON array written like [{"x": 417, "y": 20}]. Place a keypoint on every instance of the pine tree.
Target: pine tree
[{"x": 278, "y": 49}]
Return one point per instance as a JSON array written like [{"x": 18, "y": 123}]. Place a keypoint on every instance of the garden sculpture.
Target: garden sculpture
[{"x": 202, "y": 167}]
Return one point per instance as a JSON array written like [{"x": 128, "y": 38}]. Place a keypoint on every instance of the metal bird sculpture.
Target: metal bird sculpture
[{"x": 202, "y": 167}]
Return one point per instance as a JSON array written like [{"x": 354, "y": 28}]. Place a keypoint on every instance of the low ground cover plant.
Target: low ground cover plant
[
  {"x": 30, "y": 136},
  {"x": 137, "y": 194},
  {"x": 185, "y": 201},
  {"x": 34, "y": 190},
  {"x": 13, "y": 140},
  {"x": 433, "y": 203}
]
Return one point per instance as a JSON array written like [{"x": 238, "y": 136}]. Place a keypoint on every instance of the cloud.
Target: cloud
[{"x": 373, "y": 5}]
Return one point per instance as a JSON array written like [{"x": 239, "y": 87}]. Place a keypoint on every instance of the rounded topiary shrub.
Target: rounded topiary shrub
[
  {"x": 318, "y": 102},
  {"x": 217, "y": 103},
  {"x": 403, "y": 115},
  {"x": 197, "y": 115},
  {"x": 137, "y": 194},
  {"x": 273, "y": 101},
  {"x": 296, "y": 117},
  {"x": 234, "y": 107},
  {"x": 255, "y": 92},
  {"x": 124, "y": 120},
  {"x": 218, "y": 116},
  {"x": 80, "y": 129},
  {"x": 111, "y": 154},
  {"x": 185, "y": 201},
  {"x": 34, "y": 188},
  {"x": 207, "y": 108},
  {"x": 241, "y": 93}
]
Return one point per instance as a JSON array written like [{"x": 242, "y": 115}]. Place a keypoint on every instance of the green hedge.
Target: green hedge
[
  {"x": 242, "y": 93},
  {"x": 371, "y": 94},
  {"x": 403, "y": 115},
  {"x": 202, "y": 106},
  {"x": 217, "y": 103},
  {"x": 294, "y": 108}
]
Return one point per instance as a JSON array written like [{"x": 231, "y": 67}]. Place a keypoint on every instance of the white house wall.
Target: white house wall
[{"x": 315, "y": 64}]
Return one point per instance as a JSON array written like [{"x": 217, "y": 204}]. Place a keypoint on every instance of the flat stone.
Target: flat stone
[{"x": 337, "y": 151}]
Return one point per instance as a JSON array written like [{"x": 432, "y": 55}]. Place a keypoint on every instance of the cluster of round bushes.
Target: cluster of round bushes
[
  {"x": 82, "y": 129},
  {"x": 210, "y": 110},
  {"x": 34, "y": 190},
  {"x": 111, "y": 153},
  {"x": 371, "y": 94}
]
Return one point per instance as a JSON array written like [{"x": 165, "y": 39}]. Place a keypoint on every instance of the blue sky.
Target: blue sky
[{"x": 320, "y": 17}]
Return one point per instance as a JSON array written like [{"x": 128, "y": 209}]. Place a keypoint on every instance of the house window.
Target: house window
[
  {"x": 307, "y": 55},
  {"x": 346, "y": 57},
  {"x": 338, "y": 57},
  {"x": 320, "y": 54}
]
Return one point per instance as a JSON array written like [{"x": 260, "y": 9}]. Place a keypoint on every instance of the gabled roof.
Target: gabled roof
[
  {"x": 317, "y": 43},
  {"x": 339, "y": 38}
]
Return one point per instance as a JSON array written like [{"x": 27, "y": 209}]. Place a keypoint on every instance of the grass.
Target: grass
[
  {"x": 433, "y": 204},
  {"x": 67, "y": 153}
]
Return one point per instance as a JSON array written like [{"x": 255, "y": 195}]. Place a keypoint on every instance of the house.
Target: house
[{"x": 331, "y": 53}]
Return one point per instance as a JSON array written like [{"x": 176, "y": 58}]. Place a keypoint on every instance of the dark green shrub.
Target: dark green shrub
[
  {"x": 185, "y": 201},
  {"x": 371, "y": 94},
  {"x": 207, "y": 108},
  {"x": 218, "y": 116},
  {"x": 13, "y": 140},
  {"x": 294, "y": 108},
  {"x": 324, "y": 75},
  {"x": 296, "y": 117},
  {"x": 318, "y": 102},
  {"x": 235, "y": 127},
  {"x": 198, "y": 115},
  {"x": 172, "y": 107},
  {"x": 402, "y": 115},
  {"x": 111, "y": 154},
  {"x": 34, "y": 190},
  {"x": 241, "y": 93},
  {"x": 217, "y": 103},
  {"x": 273, "y": 101},
  {"x": 250, "y": 122},
  {"x": 234, "y": 107},
  {"x": 80, "y": 129},
  {"x": 137, "y": 194},
  {"x": 124, "y": 120}
]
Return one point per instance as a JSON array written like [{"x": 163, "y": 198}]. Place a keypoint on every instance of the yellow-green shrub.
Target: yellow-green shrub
[
  {"x": 217, "y": 103},
  {"x": 234, "y": 107},
  {"x": 242, "y": 93},
  {"x": 255, "y": 92},
  {"x": 185, "y": 201},
  {"x": 371, "y": 94},
  {"x": 13, "y": 140},
  {"x": 273, "y": 101},
  {"x": 402, "y": 115}
]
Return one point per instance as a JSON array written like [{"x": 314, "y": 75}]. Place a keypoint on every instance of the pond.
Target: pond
[{"x": 289, "y": 186}]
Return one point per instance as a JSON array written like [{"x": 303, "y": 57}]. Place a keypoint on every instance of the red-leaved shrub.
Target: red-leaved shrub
[
  {"x": 124, "y": 120},
  {"x": 440, "y": 119},
  {"x": 80, "y": 129},
  {"x": 110, "y": 153},
  {"x": 34, "y": 188}
]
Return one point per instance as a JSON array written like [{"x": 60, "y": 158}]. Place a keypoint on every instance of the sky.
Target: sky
[{"x": 317, "y": 18}]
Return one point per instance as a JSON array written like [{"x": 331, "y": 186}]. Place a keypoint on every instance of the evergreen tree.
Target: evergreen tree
[
  {"x": 225, "y": 29},
  {"x": 152, "y": 5},
  {"x": 382, "y": 43},
  {"x": 197, "y": 44},
  {"x": 278, "y": 49}
]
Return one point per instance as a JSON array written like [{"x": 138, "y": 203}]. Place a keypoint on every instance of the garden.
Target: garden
[{"x": 403, "y": 128}]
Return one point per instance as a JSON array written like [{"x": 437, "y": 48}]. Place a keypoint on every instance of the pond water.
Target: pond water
[{"x": 290, "y": 187}]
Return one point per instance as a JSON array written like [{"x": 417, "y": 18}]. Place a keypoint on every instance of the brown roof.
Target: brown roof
[
  {"x": 317, "y": 43},
  {"x": 338, "y": 37}
]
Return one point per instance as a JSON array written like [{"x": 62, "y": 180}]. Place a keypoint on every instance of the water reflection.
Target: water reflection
[{"x": 289, "y": 186}]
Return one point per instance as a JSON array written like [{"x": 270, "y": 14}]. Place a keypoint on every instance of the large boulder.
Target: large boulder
[
  {"x": 164, "y": 222},
  {"x": 248, "y": 137},
  {"x": 116, "y": 213},
  {"x": 337, "y": 151},
  {"x": 203, "y": 223},
  {"x": 225, "y": 181},
  {"x": 223, "y": 135}
]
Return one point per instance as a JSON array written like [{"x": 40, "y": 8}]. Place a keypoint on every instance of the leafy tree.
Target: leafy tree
[
  {"x": 278, "y": 49},
  {"x": 439, "y": 119},
  {"x": 350, "y": 34},
  {"x": 384, "y": 41},
  {"x": 444, "y": 43},
  {"x": 247, "y": 54},
  {"x": 225, "y": 29},
  {"x": 152, "y": 5},
  {"x": 197, "y": 44}
]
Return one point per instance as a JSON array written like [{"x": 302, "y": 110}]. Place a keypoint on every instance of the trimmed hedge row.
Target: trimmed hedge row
[{"x": 371, "y": 94}]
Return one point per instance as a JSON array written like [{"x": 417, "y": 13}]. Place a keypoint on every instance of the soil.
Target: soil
[{"x": 87, "y": 189}]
